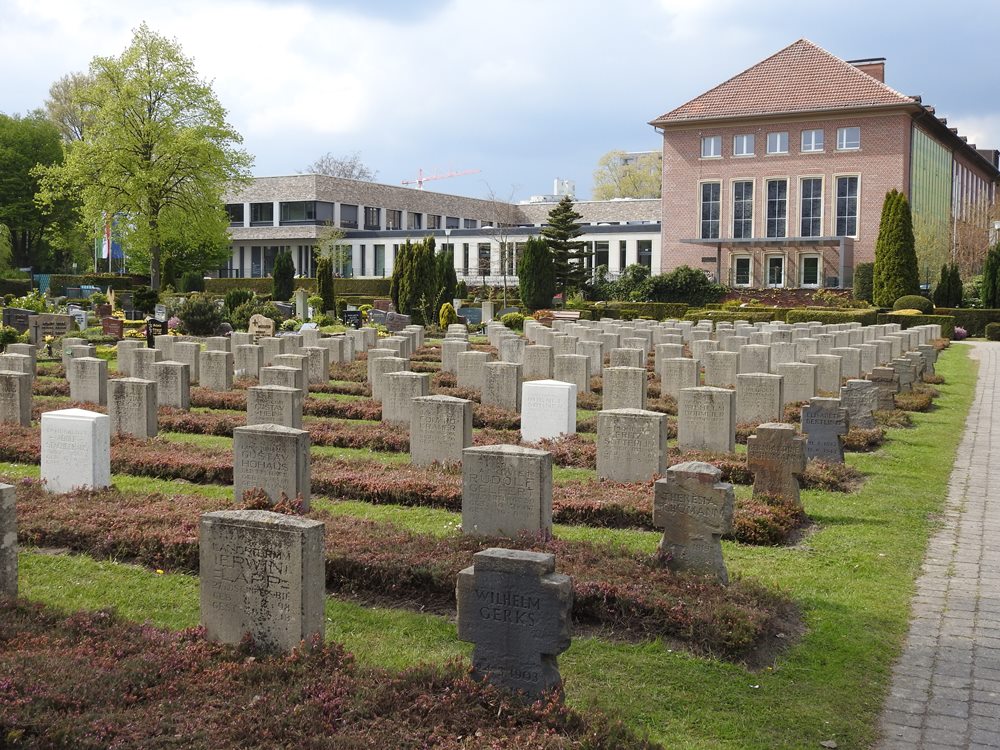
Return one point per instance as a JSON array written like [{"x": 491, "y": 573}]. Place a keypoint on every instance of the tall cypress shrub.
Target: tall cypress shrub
[
  {"x": 282, "y": 276},
  {"x": 324, "y": 283},
  {"x": 895, "y": 273},
  {"x": 990, "y": 291},
  {"x": 400, "y": 271},
  {"x": 447, "y": 279},
  {"x": 535, "y": 275}
]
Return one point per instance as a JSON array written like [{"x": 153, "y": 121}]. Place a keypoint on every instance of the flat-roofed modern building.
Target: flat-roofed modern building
[{"x": 776, "y": 177}]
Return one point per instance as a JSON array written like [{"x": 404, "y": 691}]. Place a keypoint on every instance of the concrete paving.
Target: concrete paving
[{"x": 946, "y": 686}]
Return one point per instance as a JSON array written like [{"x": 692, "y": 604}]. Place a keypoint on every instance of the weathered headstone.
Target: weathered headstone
[
  {"x": 470, "y": 369},
  {"x": 132, "y": 407},
  {"x": 721, "y": 368},
  {"x": 272, "y": 458},
  {"x": 262, "y": 573},
  {"x": 89, "y": 380},
  {"x": 289, "y": 377},
  {"x": 398, "y": 389},
  {"x": 548, "y": 409},
  {"x": 173, "y": 387},
  {"x": 260, "y": 326},
  {"x": 758, "y": 398},
  {"x": 824, "y": 423},
  {"x": 907, "y": 373},
  {"x": 625, "y": 358},
  {"x": 850, "y": 361},
  {"x": 860, "y": 398},
  {"x": 706, "y": 419},
  {"x": 188, "y": 353},
  {"x": 450, "y": 349},
  {"x": 275, "y": 404},
  {"x": 113, "y": 327},
  {"x": 755, "y": 358},
  {"x": 8, "y": 541},
  {"x": 248, "y": 359},
  {"x": 501, "y": 385},
  {"x": 15, "y": 398},
  {"x": 828, "y": 376},
  {"x": 538, "y": 362},
  {"x": 573, "y": 368},
  {"x": 124, "y": 350},
  {"x": 517, "y": 610},
  {"x": 631, "y": 444},
  {"x": 679, "y": 373},
  {"x": 216, "y": 369},
  {"x": 694, "y": 509},
  {"x": 17, "y": 318},
  {"x": 48, "y": 324},
  {"x": 317, "y": 364},
  {"x": 624, "y": 388},
  {"x": 799, "y": 381},
  {"x": 506, "y": 490},
  {"x": 76, "y": 450},
  {"x": 776, "y": 455},
  {"x": 887, "y": 382},
  {"x": 440, "y": 429},
  {"x": 381, "y": 367},
  {"x": 22, "y": 363},
  {"x": 143, "y": 361}
]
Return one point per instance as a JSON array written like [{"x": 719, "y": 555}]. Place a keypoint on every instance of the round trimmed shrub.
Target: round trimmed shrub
[
  {"x": 447, "y": 315},
  {"x": 199, "y": 315},
  {"x": 513, "y": 320},
  {"x": 993, "y": 331},
  {"x": 914, "y": 302}
]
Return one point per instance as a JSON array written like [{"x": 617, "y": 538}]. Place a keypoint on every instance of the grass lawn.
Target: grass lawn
[{"x": 852, "y": 576}]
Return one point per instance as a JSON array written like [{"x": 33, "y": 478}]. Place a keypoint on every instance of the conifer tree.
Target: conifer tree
[
  {"x": 399, "y": 276},
  {"x": 447, "y": 279},
  {"x": 990, "y": 291},
  {"x": 324, "y": 283},
  {"x": 567, "y": 253},
  {"x": 895, "y": 273},
  {"x": 535, "y": 274},
  {"x": 282, "y": 276}
]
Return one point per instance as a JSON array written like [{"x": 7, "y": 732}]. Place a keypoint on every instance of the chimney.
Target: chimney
[{"x": 873, "y": 66}]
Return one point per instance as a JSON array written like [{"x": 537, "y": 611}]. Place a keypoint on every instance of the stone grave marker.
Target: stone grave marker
[
  {"x": 440, "y": 429},
  {"x": 89, "y": 381},
  {"x": 776, "y": 454},
  {"x": 113, "y": 327},
  {"x": 143, "y": 361},
  {"x": 381, "y": 367},
  {"x": 512, "y": 349},
  {"x": 721, "y": 368},
  {"x": 48, "y": 324},
  {"x": 759, "y": 398},
  {"x": 290, "y": 377},
  {"x": 470, "y": 369},
  {"x": 860, "y": 398},
  {"x": 624, "y": 388},
  {"x": 124, "y": 350},
  {"x": 694, "y": 509},
  {"x": 22, "y": 363},
  {"x": 506, "y": 489},
  {"x": 517, "y": 611},
  {"x": 76, "y": 450},
  {"x": 273, "y": 458},
  {"x": 275, "y": 404},
  {"x": 631, "y": 444},
  {"x": 824, "y": 423},
  {"x": 317, "y": 364},
  {"x": 260, "y": 326},
  {"x": 216, "y": 368},
  {"x": 218, "y": 344},
  {"x": 706, "y": 419},
  {"x": 132, "y": 407},
  {"x": 398, "y": 390},
  {"x": 755, "y": 358},
  {"x": 799, "y": 381},
  {"x": 595, "y": 353},
  {"x": 679, "y": 373},
  {"x": 16, "y": 317},
  {"x": 625, "y": 358},
  {"x": 262, "y": 573},
  {"x": 155, "y": 328},
  {"x": 548, "y": 409},
  {"x": 930, "y": 357},
  {"x": 450, "y": 349},
  {"x": 906, "y": 371},
  {"x": 850, "y": 361},
  {"x": 15, "y": 398},
  {"x": 828, "y": 376},
  {"x": 887, "y": 382},
  {"x": 573, "y": 368},
  {"x": 501, "y": 385},
  {"x": 538, "y": 362},
  {"x": 8, "y": 541},
  {"x": 173, "y": 386}
]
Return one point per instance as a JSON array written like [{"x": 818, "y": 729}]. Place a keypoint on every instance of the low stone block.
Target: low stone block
[
  {"x": 76, "y": 450},
  {"x": 398, "y": 390},
  {"x": 275, "y": 404},
  {"x": 272, "y": 458},
  {"x": 440, "y": 429},
  {"x": 132, "y": 407},
  {"x": 506, "y": 490},
  {"x": 631, "y": 444},
  {"x": 548, "y": 409}
]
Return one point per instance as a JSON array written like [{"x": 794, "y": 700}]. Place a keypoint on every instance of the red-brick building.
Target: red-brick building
[{"x": 777, "y": 176}]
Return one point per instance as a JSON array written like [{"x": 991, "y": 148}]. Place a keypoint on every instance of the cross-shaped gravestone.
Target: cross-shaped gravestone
[
  {"x": 825, "y": 422},
  {"x": 906, "y": 371},
  {"x": 919, "y": 364},
  {"x": 887, "y": 382},
  {"x": 516, "y": 609},
  {"x": 776, "y": 454},
  {"x": 860, "y": 398},
  {"x": 930, "y": 357},
  {"x": 694, "y": 509}
]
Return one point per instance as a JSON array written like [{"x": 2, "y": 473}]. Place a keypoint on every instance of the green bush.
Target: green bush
[
  {"x": 15, "y": 286},
  {"x": 59, "y": 281},
  {"x": 8, "y": 335},
  {"x": 683, "y": 284},
  {"x": 948, "y": 292},
  {"x": 751, "y": 316},
  {"x": 989, "y": 291},
  {"x": 513, "y": 320},
  {"x": 192, "y": 281},
  {"x": 974, "y": 321},
  {"x": 240, "y": 317},
  {"x": 447, "y": 315},
  {"x": 236, "y": 297},
  {"x": 325, "y": 286},
  {"x": 349, "y": 287},
  {"x": 914, "y": 302},
  {"x": 993, "y": 331},
  {"x": 947, "y": 322},
  {"x": 145, "y": 299},
  {"x": 536, "y": 274},
  {"x": 895, "y": 272},
  {"x": 806, "y": 315},
  {"x": 654, "y": 310},
  {"x": 199, "y": 315},
  {"x": 283, "y": 276},
  {"x": 863, "y": 281}
]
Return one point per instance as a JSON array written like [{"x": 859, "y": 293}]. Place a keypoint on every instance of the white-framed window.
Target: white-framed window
[
  {"x": 848, "y": 139},
  {"x": 777, "y": 208},
  {"x": 774, "y": 266},
  {"x": 711, "y": 209},
  {"x": 711, "y": 147},
  {"x": 777, "y": 143},
  {"x": 810, "y": 271},
  {"x": 742, "y": 209},
  {"x": 811, "y": 207},
  {"x": 812, "y": 140},
  {"x": 847, "y": 206},
  {"x": 743, "y": 145},
  {"x": 742, "y": 270}
]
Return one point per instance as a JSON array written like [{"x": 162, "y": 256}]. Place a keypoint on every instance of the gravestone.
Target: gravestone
[
  {"x": 781, "y": 353},
  {"x": 143, "y": 361},
  {"x": 298, "y": 361},
  {"x": 678, "y": 373},
  {"x": 114, "y": 327},
  {"x": 906, "y": 371},
  {"x": 506, "y": 490},
  {"x": 450, "y": 349},
  {"x": 625, "y": 358},
  {"x": 317, "y": 364},
  {"x": 262, "y": 573},
  {"x": 755, "y": 358},
  {"x": 89, "y": 380},
  {"x": 398, "y": 389},
  {"x": 8, "y": 541},
  {"x": 469, "y": 366},
  {"x": 517, "y": 611},
  {"x": 248, "y": 359},
  {"x": 15, "y": 398},
  {"x": 275, "y": 404},
  {"x": 512, "y": 349},
  {"x": 260, "y": 326},
  {"x": 887, "y": 382},
  {"x": 827, "y": 372},
  {"x": 631, "y": 444},
  {"x": 706, "y": 419},
  {"x": 132, "y": 407},
  {"x": 76, "y": 450},
  {"x": 154, "y": 328},
  {"x": 173, "y": 387},
  {"x": 758, "y": 398},
  {"x": 776, "y": 455},
  {"x": 218, "y": 344},
  {"x": 694, "y": 509},
  {"x": 538, "y": 362},
  {"x": 850, "y": 361},
  {"x": 799, "y": 381},
  {"x": 124, "y": 350},
  {"x": 18, "y": 318},
  {"x": 593, "y": 351},
  {"x": 379, "y": 368},
  {"x": 869, "y": 358},
  {"x": 22, "y": 363},
  {"x": 824, "y": 423},
  {"x": 289, "y": 377},
  {"x": 396, "y": 322},
  {"x": 216, "y": 368},
  {"x": 548, "y": 409},
  {"x": 624, "y": 388},
  {"x": 273, "y": 458},
  {"x": 440, "y": 429},
  {"x": 573, "y": 368},
  {"x": 860, "y": 398},
  {"x": 721, "y": 368},
  {"x": 188, "y": 352},
  {"x": 930, "y": 357},
  {"x": 48, "y": 324},
  {"x": 272, "y": 347},
  {"x": 501, "y": 385}
]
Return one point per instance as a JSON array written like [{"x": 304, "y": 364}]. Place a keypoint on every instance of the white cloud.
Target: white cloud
[{"x": 982, "y": 130}]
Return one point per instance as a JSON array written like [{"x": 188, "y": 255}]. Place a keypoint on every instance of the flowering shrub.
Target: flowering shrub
[{"x": 960, "y": 333}]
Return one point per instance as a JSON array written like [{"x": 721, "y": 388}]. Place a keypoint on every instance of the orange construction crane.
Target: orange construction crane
[{"x": 419, "y": 182}]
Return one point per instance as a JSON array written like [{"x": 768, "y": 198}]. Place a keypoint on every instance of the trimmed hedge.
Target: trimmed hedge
[
  {"x": 750, "y": 315},
  {"x": 17, "y": 287},
  {"x": 864, "y": 317},
  {"x": 972, "y": 320},
  {"x": 342, "y": 287},
  {"x": 947, "y": 322},
  {"x": 655, "y": 310},
  {"x": 993, "y": 331},
  {"x": 58, "y": 282}
]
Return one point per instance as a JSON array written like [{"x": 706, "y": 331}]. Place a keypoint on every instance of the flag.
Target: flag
[{"x": 106, "y": 245}]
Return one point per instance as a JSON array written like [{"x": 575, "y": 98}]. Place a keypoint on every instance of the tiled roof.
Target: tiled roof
[{"x": 802, "y": 77}]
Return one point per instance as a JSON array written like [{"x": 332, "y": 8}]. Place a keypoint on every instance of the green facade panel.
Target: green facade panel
[{"x": 930, "y": 202}]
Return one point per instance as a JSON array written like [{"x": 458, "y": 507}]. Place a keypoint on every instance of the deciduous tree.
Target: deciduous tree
[
  {"x": 623, "y": 175},
  {"x": 348, "y": 166}
]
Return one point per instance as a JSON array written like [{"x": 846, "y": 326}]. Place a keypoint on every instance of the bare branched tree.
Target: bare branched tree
[
  {"x": 349, "y": 167},
  {"x": 504, "y": 216}
]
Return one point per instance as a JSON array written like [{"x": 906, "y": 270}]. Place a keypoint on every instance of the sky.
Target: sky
[{"x": 524, "y": 91}]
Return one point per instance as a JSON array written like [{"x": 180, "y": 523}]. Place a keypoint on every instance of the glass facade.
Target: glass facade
[
  {"x": 742, "y": 209},
  {"x": 711, "y": 193},
  {"x": 777, "y": 208}
]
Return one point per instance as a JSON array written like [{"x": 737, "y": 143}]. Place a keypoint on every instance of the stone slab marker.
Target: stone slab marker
[
  {"x": 261, "y": 573},
  {"x": 850, "y": 361},
  {"x": 906, "y": 371},
  {"x": 548, "y": 409},
  {"x": 827, "y": 372},
  {"x": 15, "y": 398},
  {"x": 860, "y": 398},
  {"x": 173, "y": 388},
  {"x": 825, "y": 422},
  {"x": 776, "y": 454},
  {"x": 188, "y": 352},
  {"x": 76, "y": 450},
  {"x": 679, "y": 373},
  {"x": 625, "y": 358},
  {"x": 517, "y": 611},
  {"x": 248, "y": 359},
  {"x": 470, "y": 369},
  {"x": 440, "y": 429},
  {"x": 624, "y": 388},
  {"x": 123, "y": 353},
  {"x": 501, "y": 385},
  {"x": 573, "y": 368},
  {"x": 273, "y": 458},
  {"x": 398, "y": 389},
  {"x": 290, "y": 377},
  {"x": 799, "y": 381},
  {"x": 216, "y": 367},
  {"x": 759, "y": 398},
  {"x": 450, "y": 349},
  {"x": 8, "y": 541},
  {"x": 721, "y": 368},
  {"x": 317, "y": 364},
  {"x": 506, "y": 489},
  {"x": 275, "y": 404},
  {"x": 930, "y": 357},
  {"x": 755, "y": 358},
  {"x": 381, "y": 367},
  {"x": 538, "y": 362},
  {"x": 132, "y": 407},
  {"x": 631, "y": 444},
  {"x": 143, "y": 361},
  {"x": 706, "y": 419},
  {"x": 887, "y": 382},
  {"x": 694, "y": 509}
]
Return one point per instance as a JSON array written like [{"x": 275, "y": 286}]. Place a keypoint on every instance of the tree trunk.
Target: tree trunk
[{"x": 154, "y": 253}]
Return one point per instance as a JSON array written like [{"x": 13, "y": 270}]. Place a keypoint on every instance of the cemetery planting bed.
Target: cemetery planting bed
[
  {"x": 617, "y": 591},
  {"x": 90, "y": 680}
]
